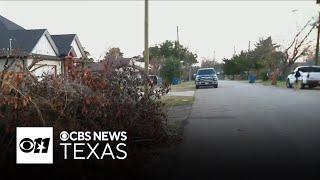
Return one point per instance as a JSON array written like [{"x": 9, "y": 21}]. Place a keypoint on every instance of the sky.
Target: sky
[{"x": 208, "y": 28}]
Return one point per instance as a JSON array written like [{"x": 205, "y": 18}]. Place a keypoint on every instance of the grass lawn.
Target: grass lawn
[
  {"x": 172, "y": 101},
  {"x": 184, "y": 86},
  {"x": 281, "y": 84}
]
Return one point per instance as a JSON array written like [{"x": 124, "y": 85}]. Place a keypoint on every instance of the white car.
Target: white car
[{"x": 310, "y": 76}]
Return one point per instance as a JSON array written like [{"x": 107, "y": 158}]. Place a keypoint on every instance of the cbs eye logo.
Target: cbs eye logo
[
  {"x": 34, "y": 145},
  {"x": 38, "y": 145}
]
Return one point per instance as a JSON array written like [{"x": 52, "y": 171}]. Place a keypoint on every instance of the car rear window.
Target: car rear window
[
  {"x": 309, "y": 69},
  {"x": 206, "y": 71}
]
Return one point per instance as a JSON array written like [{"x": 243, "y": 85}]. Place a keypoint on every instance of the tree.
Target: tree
[
  {"x": 238, "y": 64},
  {"x": 299, "y": 47},
  {"x": 87, "y": 58},
  {"x": 207, "y": 63},
  {"x": 113, "y": 53},
  {"x": 156, "y": 65},
  {"x": 264, "y": 59},
  {"x": 266, "y": 52},
  {"x": 174, "y": 51},
  {"x": 171, "y": 68}
]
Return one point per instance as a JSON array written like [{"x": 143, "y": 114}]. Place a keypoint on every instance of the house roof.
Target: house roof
[
  {"x": 26, "y": 40},
  {"x": 63, "y": 43},
  {"x": 6, "y": 24},
  {"x": 23, "y": 40}
]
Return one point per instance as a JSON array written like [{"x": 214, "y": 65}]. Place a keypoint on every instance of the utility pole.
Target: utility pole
[
  {"x": 178, "y": 43},
  {"x": 146, "y": 41},
  {"x": 249, "y": 46},
  {"x": 318, "y": 34},
  {"x": 178, "y": 34}
]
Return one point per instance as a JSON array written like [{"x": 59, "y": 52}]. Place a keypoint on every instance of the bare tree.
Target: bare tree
[
  {"x": 156, "y": 64},
  {"x": 18, "y": 58},
  {"x": 299, "y": 47},
  {"x": 207, "y": 63}
]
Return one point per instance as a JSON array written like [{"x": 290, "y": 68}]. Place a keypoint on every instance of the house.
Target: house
[
  {"x": 101, "y": 66},
  {"x": 47, "y": 53}
]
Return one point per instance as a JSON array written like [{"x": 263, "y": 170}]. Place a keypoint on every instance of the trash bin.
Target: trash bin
[
  {"x": 175, "y": 81},
  {"x": 252, "y": 78}
]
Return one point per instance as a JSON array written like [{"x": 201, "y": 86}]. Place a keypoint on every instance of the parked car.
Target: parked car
[
  {"x": 206, "y": 77},
  {"x": 310, "y": 76}
]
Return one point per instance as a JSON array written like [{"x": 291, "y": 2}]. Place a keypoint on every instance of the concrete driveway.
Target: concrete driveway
[{"x": 251, "y": 131}]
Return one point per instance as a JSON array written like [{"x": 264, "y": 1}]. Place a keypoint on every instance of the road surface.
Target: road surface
[{"x": 251, "y": 131}]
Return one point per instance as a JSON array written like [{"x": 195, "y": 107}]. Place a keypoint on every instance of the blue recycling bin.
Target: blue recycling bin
[
  {"x": 252, "y": 78},
  {"x": 175, "y": 81}
]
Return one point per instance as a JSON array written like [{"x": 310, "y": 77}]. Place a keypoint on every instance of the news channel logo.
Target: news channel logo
[{"x": 34, "y": 145}]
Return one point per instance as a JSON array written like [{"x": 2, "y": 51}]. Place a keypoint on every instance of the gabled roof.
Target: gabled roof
[
  {"x": 24, "y": 40},
  {"x": 6, "y": 24},
  {"x": 64, "y": 41}
]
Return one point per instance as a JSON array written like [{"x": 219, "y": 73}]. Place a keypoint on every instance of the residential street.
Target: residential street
[{"x": 250, "y": 131}]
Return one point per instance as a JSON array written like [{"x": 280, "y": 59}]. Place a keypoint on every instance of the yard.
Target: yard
[
  {"x": 172, "y": 101},
  {"x": 281, "y": 84},
  {"x": 184, "y": 86}
]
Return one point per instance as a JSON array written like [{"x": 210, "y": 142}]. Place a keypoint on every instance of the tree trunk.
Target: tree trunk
[{"x": 285, "y": 71}]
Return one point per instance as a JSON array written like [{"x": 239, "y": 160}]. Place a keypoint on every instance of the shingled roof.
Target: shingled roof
[
  {"x": 6, "y": 24},
  {"x": 23, "y": 40},
  {"x": 26, "y": 40},
  {"x": 63, "y": 43}
]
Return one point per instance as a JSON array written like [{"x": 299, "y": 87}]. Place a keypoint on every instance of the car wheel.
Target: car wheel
[
  {"x": 215, "y": 86},
  {"x": 288, "y": 84},
  {"x": 197, "y": 87},
  {"x": 302, "y": 86}
]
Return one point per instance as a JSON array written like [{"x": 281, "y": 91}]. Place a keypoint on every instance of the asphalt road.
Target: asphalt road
[{"x": 251, "y": 131}]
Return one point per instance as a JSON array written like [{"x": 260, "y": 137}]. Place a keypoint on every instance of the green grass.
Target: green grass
[
  {"x": 184, "y": 86},
  {"x": 171, "y": 101},
  {"x": 281, "y": 84}
]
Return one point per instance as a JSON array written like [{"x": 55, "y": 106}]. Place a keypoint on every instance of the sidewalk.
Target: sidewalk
[{"x": 181, "y": 93}]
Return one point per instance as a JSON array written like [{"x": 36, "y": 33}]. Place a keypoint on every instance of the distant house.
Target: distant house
[
  {"x": 101, "y": 66},
  {"x": 55, "y": 52}
]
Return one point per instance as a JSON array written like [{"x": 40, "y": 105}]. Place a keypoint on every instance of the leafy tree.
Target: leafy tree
[
  {"x": 267, "y": 52},
  {"x": 265, "y": 57},
  {"x": 238, "y": 64},
  {"x": 113, "y": 53},
  {"x": 171, "y": 51},
  {"x": 171, "y": 68}
]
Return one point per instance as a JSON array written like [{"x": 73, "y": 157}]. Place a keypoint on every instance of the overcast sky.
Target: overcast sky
[{"x": 205, "y": 26}]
